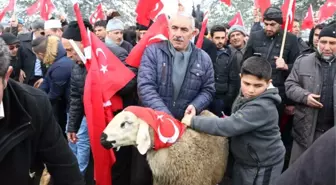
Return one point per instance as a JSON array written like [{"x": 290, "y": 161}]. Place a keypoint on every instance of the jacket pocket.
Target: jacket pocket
[{"x": 307, "y": 80}]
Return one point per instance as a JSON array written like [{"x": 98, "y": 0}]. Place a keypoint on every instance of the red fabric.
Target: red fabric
[
  {"x": 166, "y": 128},
  {"x": 327, "y": 10},
  {"x": 98, "y": 14},
  {"x": 156, "y": 33},
  {"x": 237, "y": 20},
  {"x": 155, "y": 12},
  {"x": 144, "y": 11},
  {"x": 9, "y": 7},
  {"x": 227, "y": 2},
  {"x": 94, "y": 112},
  {"x": 290, "y": 12},
  {"x": 262, "y": 5},
  {"x": 308, "y": 21},
  {"x": 201, "y": 34},
  {"x": 46, "y": 7}
]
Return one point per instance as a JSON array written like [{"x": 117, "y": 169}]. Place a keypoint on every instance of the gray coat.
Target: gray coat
[
  {"x": 305, "y": 78},
  {"x": 253, "y": 127}
]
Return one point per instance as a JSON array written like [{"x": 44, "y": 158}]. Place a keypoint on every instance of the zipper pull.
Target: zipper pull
[{"x": 174, "y": 104}]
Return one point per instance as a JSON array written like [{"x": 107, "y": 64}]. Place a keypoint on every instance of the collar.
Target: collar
[{"x": 2, "y": 112}]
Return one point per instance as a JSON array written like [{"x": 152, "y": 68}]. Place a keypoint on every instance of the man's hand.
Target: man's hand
[
  {"x": 289, "y": 110},
  {"x": 256, "y": 14},
  {"x": 191, "y": 110},
  {"x": 187, "y": 119},
  {"x": 22, "y": 76},
  {"x": 312, "y": 101},
  {"x": 281, "y": 64},
  {"x": 14, "y": 21},
  {"x": 38, "y": 83},
  {"x": 72, "y": 137}
]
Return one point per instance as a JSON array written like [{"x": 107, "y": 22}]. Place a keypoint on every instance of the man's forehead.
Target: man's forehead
[
  {"x": 270, "y": 22},
  {"x": 180, "y": 21},
  {"x": 219, "y": 33},
  {"x": 328, "y": 39}
]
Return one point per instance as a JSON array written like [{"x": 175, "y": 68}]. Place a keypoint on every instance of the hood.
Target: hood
[{"x": 54, "y": 52}]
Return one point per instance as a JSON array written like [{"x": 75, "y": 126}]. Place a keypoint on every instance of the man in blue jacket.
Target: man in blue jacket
[
  {"x": 174, "y": 76},
  {"x": 56, "y": 82}
]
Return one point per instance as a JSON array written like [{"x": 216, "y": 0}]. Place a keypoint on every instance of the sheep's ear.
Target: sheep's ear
[{"x": 143, "y": 138}]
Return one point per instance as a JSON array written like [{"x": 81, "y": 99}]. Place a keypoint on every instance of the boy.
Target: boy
[{"x": 253, "y": 126}]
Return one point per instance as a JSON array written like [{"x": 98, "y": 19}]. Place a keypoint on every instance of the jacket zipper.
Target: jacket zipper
[{"x": 13, "y": 138}]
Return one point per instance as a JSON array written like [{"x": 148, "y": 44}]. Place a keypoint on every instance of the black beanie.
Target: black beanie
[
  {"x": 73, "y": 32},
  {"x": 273, "y": 14},
  {"x": 328, "y": 31},
  {"x": 9, "y": 38}
]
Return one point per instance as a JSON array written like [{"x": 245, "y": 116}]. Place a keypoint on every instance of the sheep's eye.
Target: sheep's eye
[{"x": 123, "y": 124}]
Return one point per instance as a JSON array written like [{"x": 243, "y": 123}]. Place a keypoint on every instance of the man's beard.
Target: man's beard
[{"x": 327, "y": 58}]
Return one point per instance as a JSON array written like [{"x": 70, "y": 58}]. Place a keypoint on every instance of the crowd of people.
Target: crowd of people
[{"x": 273, "y": 108}]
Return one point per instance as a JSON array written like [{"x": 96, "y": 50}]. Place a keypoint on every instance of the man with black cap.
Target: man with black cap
[
  {"x": 13, "y": 45},
  {"x": 311, "y": 84},
  {"x": 267, "y": 43},
  {"x": 121, "y": 170}
]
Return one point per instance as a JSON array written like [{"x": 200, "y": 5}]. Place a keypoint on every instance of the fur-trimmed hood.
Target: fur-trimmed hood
[{"x": 54, "y": 51}]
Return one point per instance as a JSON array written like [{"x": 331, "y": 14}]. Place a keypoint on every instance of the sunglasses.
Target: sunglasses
[{"x": 13, "y": 47}]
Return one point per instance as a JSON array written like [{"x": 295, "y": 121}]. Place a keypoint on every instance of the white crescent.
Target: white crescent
[
  {"x": 172, "y": 139},
  {"x": 101, "y": 51},
  {"x": 159, "y": 36}
]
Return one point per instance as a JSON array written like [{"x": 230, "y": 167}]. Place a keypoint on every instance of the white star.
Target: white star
[
  {"x": 160, "y": 117},
  {"x": 103, "y": 69}
]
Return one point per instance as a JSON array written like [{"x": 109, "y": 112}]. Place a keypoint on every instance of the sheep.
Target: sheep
[{"x": 196, "y": 158}]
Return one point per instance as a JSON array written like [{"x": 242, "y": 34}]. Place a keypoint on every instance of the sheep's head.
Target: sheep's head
[{"x": 126, "y": 129}]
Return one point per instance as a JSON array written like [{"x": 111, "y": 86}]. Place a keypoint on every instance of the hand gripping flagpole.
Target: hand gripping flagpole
[{"x": 286, "y": 27}]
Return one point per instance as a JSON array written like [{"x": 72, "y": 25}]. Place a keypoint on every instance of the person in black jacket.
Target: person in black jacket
[
  {"x": 13, "y": 45},
  {"x": 30, "y": 135},
  {"x": 226, "y": 74},
  {"x": 121, "y": 170},
  {"x": 316, "y": 165}
]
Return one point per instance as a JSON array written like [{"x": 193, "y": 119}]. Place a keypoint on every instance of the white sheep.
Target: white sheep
[{"x": 195, "y": 159}]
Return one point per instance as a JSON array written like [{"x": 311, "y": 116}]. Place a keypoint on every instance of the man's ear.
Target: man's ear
[
  {"x": 143, "y": 140},
  {"x": 196, "y": 32},
  {"x": 7, "y": 76}
]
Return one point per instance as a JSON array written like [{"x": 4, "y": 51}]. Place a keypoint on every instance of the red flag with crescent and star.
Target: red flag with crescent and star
[
  {"x": 167, "y": 130},
  {"x": 237, "y": 20},
  {"x": 46, "y": 7}
]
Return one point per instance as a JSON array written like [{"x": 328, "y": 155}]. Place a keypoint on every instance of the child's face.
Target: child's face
[{"x": 251, "y": 86}]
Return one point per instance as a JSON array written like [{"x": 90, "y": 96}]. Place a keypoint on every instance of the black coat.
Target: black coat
[
  {"x": 209, "y": 47},
  {"x": 27, "y": 58},
  {"x": 316, "y": 165},
  {"x": 16, "y": 68},
  {"x": 30, "y": 137},
  {"x": 269, "y": 47},
  {"x": 77, "y": 82}
]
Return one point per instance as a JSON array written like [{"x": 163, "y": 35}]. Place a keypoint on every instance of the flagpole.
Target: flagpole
[{"x": 285, "y": 31}]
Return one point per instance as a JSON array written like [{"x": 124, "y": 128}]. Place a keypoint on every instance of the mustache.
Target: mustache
[{"x": 179, "y": 39}]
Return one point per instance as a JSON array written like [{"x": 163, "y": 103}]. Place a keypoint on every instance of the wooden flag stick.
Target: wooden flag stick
[{"x": 285, "y": 31}]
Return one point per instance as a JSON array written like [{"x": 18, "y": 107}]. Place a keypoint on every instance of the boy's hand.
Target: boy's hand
[{"x": 187, "y": 119}]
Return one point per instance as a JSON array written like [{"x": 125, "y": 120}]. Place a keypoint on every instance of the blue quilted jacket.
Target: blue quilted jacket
[{"x": 155, "y": 88}]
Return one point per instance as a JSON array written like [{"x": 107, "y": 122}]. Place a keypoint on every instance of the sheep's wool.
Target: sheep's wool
[{"x": 166, "y": 128}]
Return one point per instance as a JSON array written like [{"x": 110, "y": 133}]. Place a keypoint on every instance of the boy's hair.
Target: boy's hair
[{"x": 257, "y": 66}]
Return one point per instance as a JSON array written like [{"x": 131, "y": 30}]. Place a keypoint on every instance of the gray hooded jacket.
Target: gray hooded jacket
[{"x": 254, "y": 129}]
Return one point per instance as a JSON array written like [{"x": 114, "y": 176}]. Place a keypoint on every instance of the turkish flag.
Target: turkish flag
[
  {"x": 327, "y": 10},
  {"x": 201, "y": 34},
  {"x": 9, "y": 7},
  {"x": 156, "y": 33},
  {"x": 145, "y": 11},
  {"x": 227, "y": 2},
  {"x": 46, "y": 7},
  {"x": 308, "y": 21},
  {"x": 262, "y": 5},
  {"x": 237, "y": 20},
  {"x": 98, "y": 14},
  {"x": 288, "y": 11},
  {"x": 155, "y": 12}
]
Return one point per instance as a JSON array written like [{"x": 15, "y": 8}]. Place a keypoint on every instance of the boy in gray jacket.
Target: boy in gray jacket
[{"x": 253, "y": 126}]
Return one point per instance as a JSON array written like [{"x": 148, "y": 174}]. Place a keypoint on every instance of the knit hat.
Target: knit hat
[
  {"x": 49, "y": 24},
  {"x": 73, "y": 32},
  {"x": 9, "y": 38},
  {"x": 328, "y": 31},
  {"x": 273, "y": 14},
  {"x": 239, "y": 28},
  {"x": 115, "y": 24}
]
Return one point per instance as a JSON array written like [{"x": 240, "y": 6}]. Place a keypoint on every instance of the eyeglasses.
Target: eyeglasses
[{"x": 13, "y": 47}]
